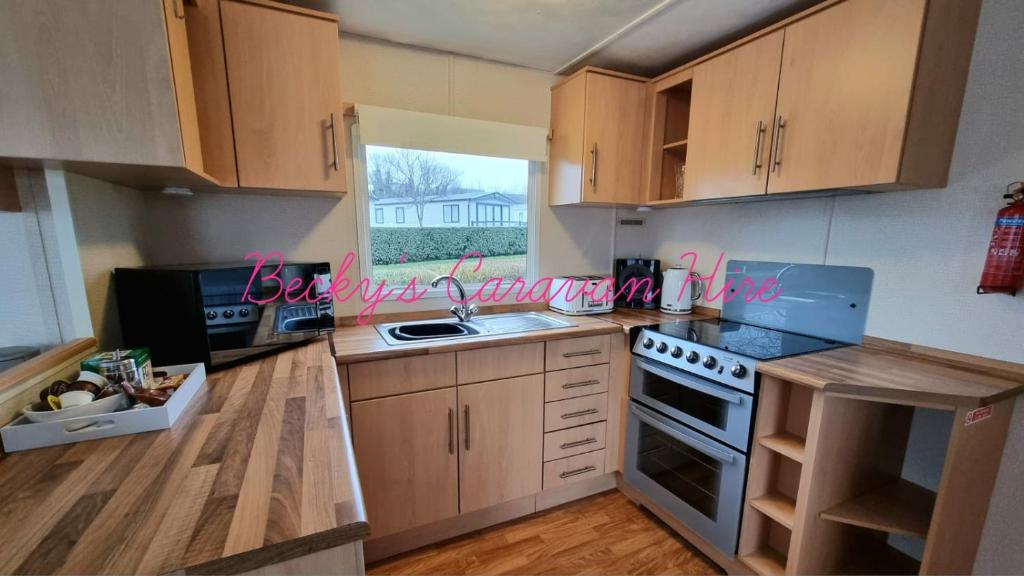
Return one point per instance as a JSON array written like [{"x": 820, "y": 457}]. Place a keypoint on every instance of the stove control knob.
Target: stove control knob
[
  {"x": 243, "y": 312},
  {"x": 648, "y": 343},
  {"x": 692, "y": 356},
  {"x": 677, "y": 352},
  {"x": 229, "y": 313},
  {"x": 211, "y": 314},
  {"x": 710, "y": 362},
  {"x": 738, "y": 371},
  {"x": 662, "y": 347}
]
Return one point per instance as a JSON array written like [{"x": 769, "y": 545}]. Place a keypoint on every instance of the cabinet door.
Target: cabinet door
[
  {"x": 565, "y": 155},
  {"x": 405, "y": 452},
  {"x": 613, "y": 139},
  {"x": 731, "y": 114},
  {"x": 502, "y": 448},
  {"x": 844, "y": 95},
  {"x": 285, "y": 85}
]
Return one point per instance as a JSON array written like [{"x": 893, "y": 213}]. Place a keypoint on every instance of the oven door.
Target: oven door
[
  {"x": 698, "y": 481},
  {"x": 719, "y": 411}
]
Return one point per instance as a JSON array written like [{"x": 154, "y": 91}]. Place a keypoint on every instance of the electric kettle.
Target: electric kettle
[{"x": 678, "y": 295}]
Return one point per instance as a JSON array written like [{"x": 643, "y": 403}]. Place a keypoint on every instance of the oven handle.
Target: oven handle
[
  {"x": 655, "y": 421},
  {"x": 681, "y": 378}
]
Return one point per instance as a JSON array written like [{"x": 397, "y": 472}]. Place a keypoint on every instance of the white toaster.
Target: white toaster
[{"x": 583, "y": 299}]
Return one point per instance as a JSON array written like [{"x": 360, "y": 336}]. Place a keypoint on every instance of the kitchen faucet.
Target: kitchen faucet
[{"x": 463, "y": 310}]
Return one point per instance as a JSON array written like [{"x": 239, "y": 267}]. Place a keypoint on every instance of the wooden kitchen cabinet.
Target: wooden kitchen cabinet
[
  {"x": 284, "y": 67},
  {"x": 407, "y": 458},
  {"x": 731, "y": 112},
  {"x": 596, "y": 138},
  {"x": 501, "y": 452}
]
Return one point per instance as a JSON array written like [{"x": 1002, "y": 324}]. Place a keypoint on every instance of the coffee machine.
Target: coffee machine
[{"x": 642, "y": 273}]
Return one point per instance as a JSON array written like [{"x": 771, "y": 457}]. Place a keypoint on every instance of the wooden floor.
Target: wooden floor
[{"x": 603, "y": 534}]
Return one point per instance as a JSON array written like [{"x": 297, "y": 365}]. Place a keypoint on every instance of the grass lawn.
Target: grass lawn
[{"x": 500, "y": 266}]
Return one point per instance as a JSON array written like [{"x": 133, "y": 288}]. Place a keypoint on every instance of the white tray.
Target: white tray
[{"x": 22, "y": 434}]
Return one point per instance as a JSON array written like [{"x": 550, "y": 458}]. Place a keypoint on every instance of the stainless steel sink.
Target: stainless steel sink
[{"x": 398, "y": 333}]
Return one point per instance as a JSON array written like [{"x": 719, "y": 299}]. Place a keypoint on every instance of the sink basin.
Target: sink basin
[
  {"x": 398, "y": 333},
  {"x": 416, "y": 331}
]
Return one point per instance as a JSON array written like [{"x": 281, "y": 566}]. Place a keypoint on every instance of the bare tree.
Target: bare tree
[{"x": 414, "y": 175}]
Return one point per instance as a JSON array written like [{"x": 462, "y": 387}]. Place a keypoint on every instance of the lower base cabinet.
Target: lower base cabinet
[{"x": 407, "y": 459}]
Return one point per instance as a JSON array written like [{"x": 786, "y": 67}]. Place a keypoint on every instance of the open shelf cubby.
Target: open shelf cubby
[
  {"x": 671, "y": 128},
  {"x": 770, "y": 557},
  {"x": 782, "y": 426},
  {"x": 898, "y": 507}
]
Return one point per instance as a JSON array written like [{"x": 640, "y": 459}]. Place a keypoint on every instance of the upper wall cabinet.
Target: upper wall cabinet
[
  {"x": 596, "y": 138},
  {"x": 855, "y": 94},
  {"x": 284, "y": 72},
  {"x": 99, "y": 82},
  {"x": 138, "y": 92}
]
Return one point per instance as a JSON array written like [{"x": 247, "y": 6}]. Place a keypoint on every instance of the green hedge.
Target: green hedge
[{"x": 421, "y": 244}]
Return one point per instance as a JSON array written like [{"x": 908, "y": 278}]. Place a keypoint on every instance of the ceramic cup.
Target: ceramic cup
[
  {"x": 75, "y": 398},
  {"x": 93, "y": 377}
]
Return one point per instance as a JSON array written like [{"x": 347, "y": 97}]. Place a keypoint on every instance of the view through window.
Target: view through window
[{"x": 430, "y": 208}]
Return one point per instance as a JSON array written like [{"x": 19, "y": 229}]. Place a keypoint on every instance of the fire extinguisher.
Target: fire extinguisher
[{"x": 1004, "y": 266}]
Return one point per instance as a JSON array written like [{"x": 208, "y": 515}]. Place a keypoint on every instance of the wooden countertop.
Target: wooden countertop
[
  {"x": 632, "y": 317},
  {"x": 362, "y": 343},
  {"x": 258, "y": 470}
]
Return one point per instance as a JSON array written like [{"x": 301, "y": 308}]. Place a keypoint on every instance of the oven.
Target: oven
[{"x": 720, "y": 411}]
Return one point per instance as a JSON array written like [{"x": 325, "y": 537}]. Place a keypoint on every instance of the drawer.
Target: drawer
[
  {"x": 573, "y": 441},
  {"x": 393, "y": 376},
  {"x": 500, "y": 362},
  {"x": 573, "y": 469},
  {"x": 575, "y": 382},
  {"x": 575, "y": 412},
  {"x": 574, "y": 352}
]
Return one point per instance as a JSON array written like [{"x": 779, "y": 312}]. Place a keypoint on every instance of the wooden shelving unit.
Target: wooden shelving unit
[
  {"x": 778, "y": 507},
  {"x": 670, "y": 126},
  {"x": 766, "y": 562},
  {"x": 789, "y": 445},
  {"x": 899, "y": 507}
]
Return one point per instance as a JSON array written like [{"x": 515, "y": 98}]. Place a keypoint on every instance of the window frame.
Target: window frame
[
  {"x": 378, "y": 214},
  {"x": 399, "y": 214},
  {"x": 450, "y": 213},
  {"x": 535, "y": 187}
]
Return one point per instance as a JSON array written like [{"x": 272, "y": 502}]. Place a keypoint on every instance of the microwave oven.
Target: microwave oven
[{"x": 214, "y": 314}]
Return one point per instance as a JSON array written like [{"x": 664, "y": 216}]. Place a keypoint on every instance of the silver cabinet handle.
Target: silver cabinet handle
[
  {"x": 569, "y": 385},
  {"x": 178, "y": 15},
  {"x": 577, "y": 472},
  {"x": 593, "y": 166},
  {"x": 777, "y": 142},
  {"x": 465, "y": 411},
  {"x": 586, "y": 412},
  {"x": 580, "y": 353},
  {"x": 451, "y": 431},
  {"x": 334, "y": 142},
  {"x": 758, "y": 136},
  {"x": 583, "y": 442}
]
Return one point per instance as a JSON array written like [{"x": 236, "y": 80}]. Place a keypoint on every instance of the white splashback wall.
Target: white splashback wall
[{"x": 926, "y": 247}]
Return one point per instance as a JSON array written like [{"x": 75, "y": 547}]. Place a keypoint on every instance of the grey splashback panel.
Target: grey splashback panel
[{"x": 825, "y": 301}]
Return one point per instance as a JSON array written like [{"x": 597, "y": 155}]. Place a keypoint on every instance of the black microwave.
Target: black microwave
[{"x": 221, "y": 314}]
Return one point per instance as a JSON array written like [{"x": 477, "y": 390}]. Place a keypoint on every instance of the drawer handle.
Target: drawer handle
[
  {"x": 583, "y": 442},
  {"x": 577, "y": 472},
  {"x": 569, "y": 385},
  {"x": 580, "y": 353},
  {"x": 586, "y": 412}
]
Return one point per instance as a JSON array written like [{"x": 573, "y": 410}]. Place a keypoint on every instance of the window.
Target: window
[
  {"x": 430, "y": 186},
  {"x": 451, "y": 213},
  {"x": 378, "y": 216}
]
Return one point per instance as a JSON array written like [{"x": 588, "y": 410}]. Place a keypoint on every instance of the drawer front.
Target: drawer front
[
  {"x": 394, "y": 376},
  {"x": 574, "y": 352},
  {"x": 575, "y": 412},
  {"x": 573, "y": 441},
  {"x": 575, "y": 382},
  {"x": 573, "y": 469},
  {"x": 500, "y": 362}
]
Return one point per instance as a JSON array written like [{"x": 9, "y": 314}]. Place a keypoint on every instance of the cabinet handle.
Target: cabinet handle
[
  {"x": 580, "y": 353},
  {"x": 466, "y": 412},
  {"x": 586, "y": 412},
  {"x": 179, "y": 15},
  {"x": 576, "y": 472},
  {"x": 451, "y": 431},
  {"x": 569, "y": 385},
  {"x": 593, "y": 166},
  {"x": 583, "y": 442},
  {"x": 777, "y": 142},
  {"x": 334, "y": 142},
  {"x": 758, "y": 136}
]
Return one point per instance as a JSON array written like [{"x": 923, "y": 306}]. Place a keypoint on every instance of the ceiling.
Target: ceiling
[{"x": 640, "y": 36}]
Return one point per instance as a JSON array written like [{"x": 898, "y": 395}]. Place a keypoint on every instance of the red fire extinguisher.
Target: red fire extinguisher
[{"x": 1004, "y": 266}]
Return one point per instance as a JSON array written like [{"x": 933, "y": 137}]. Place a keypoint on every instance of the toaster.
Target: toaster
[{"x": 583, "y": 300}]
